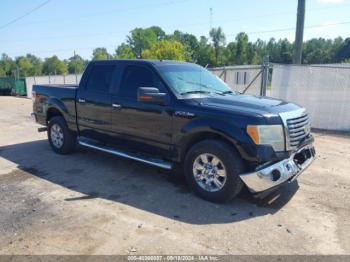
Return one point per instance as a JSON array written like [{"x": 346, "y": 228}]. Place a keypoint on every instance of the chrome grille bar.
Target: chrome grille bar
[{"x": 297, "y": 127}]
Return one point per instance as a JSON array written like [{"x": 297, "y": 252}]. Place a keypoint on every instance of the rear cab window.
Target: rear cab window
[{"x": 100, "y": 78}]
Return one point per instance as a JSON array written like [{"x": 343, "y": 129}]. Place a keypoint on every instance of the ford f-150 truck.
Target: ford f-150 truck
[{"x": 179, "y": 116}]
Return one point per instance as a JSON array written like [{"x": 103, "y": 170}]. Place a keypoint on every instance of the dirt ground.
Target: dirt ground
[{"x": 93, "y": 203}]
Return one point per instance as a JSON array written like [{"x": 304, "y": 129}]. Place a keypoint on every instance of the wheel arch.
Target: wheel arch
[
  {"x": 52, "y": 112},
  {"x": 195, "y": 137}
]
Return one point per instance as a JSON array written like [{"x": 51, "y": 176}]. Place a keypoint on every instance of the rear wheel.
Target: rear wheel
[
  {"x": 212, "y": 169},
  {"x": 61, "y": 139}
]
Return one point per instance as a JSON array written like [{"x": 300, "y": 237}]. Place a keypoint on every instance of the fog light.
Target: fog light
[{"x": 276, "y": 174}]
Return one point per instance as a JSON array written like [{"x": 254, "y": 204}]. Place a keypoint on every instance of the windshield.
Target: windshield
[{"x": 191, "y": 79}]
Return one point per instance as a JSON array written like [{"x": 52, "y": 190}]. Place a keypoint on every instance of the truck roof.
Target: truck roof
[{"x": 141, "y": 61}]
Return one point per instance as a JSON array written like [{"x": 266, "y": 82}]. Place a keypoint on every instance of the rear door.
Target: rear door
[
  {"x": 144, "y": 125},
  {"x": 94, "y": 101}
]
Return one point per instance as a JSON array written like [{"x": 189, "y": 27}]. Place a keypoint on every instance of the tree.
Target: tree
[
  {"x": 190, "y": 43},
  {"x": 100, "y": 53},
  {"x": 24, "y": 65},
  {"x": 7, "y": 64},
  {"x": 141, "y": 39},
  {"x": 206, "y": 53},
  {"x": 2, "y": 72},
  {"x": 124, "y": 51},
  {"x": 252, "y": 54},
  {"x": 218, "y": 38},
  {"x": 344, "y": 51},
  {"x": 242, "y": 48},
  {"x": 286, "y": 51},
  {"x": 166, "y": 50},
  {"x": 37, "y": 65},
  {"x": 53, "y": 65},
  {"x": 159, "y": 32},
  {"x": 230, "y": 54},
  {"x": 76, "y": 64}
]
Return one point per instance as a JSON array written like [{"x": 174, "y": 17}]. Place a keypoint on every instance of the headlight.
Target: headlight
[{"x": 267, "y": 135}]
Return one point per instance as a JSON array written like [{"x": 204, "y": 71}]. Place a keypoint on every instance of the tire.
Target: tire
[
  {"x": 222, "y": 159},
  {"x": 58, "y": 131}
]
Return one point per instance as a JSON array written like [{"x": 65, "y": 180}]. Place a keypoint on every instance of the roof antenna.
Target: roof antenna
[{"x": 211, "y": 18}]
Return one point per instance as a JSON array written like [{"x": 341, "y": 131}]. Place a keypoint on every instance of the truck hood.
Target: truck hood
[{"x": 248, "y": 103}]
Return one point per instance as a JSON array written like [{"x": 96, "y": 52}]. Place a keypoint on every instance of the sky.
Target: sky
[{"x": 60, "y": 27}]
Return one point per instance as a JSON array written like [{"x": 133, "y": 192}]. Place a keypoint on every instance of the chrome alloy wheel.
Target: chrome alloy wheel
[
  {"x": 56, "y": 136},
  {"x": 209, "y": 172}
]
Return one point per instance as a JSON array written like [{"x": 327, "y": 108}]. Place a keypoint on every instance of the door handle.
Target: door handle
[
  {"x": 81, "y": 100},
  {"x": 116, "y": 106}
]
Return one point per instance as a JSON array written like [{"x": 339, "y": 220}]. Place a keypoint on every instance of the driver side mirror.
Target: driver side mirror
[{"x": 151, "y": 95}]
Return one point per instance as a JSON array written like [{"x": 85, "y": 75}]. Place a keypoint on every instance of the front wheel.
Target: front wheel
[
  {"x": 61, "y": 139},
  {"x": 212, "y": 169}
]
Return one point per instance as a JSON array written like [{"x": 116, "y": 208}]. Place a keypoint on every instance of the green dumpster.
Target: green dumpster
[
  {"x": 6, "y": 85},
  {"x": 10, "y": 85}
]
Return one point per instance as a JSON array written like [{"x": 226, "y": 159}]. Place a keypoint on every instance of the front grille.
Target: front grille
[{"x": 298, "y": 128}]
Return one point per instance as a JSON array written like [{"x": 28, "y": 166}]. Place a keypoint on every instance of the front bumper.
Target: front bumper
[{"x": 273, "y": 175}]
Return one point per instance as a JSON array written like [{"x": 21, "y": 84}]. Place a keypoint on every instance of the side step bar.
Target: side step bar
[{"x": 154, "y": 162}]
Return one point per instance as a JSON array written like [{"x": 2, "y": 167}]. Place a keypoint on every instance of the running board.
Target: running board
[{"x": 154, "y": 162}]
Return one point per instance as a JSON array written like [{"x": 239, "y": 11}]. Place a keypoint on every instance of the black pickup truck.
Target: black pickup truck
[{"x": 179, "y": 116}]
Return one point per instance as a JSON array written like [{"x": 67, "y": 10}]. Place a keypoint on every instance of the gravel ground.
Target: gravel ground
[{"x": 94, "y": 203}]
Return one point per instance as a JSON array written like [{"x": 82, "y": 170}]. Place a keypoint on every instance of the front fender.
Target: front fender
[{"x": 236, "y": 135}]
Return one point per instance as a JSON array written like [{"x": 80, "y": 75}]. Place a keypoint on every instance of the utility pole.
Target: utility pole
[{"x": 299, "y": 33}]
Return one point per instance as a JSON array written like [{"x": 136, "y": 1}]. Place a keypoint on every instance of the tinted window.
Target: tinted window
[
  {"x": 100, "y": 78},
  {"x": 135, "y": 77}
]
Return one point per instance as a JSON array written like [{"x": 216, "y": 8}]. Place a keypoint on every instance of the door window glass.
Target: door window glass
[{"x": 100, "y": 78}]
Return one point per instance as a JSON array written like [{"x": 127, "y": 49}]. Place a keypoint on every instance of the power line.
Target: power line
[
  {"x": 173, "y": 3},
  {"x": 26, "y": 14},
  {"x": 111, "y": 12}
]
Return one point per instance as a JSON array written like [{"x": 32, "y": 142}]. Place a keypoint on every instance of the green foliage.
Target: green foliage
[
  {"x": 153, "y": 42},
  {"x": 206, "y": 53},
  {"x": 7, "y": 64},
  {"x": 218, "y": 38},
  {"x": 37, "y": 65},
  {"x": 124, "y": 51},
  {"x": 343, "y": 52},
  {"x": 242, "y": 49},
  {"x": 189, "y": 42},
  {"x": 2, "y": 72},
  {"x": 76, "y": 64},
  {"x": 100, "y": 53},
  {"x": 166, "y": 50},
  {"x": 141, "y": 39},
  {"x": 54, "y": 66}
]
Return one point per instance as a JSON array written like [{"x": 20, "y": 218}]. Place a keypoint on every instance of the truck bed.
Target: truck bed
[{"x": 55, "y": 94}]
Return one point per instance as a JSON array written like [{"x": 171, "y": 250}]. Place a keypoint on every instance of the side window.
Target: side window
[
  {"x": 100, "y": 78},
  {"x": 135, "y": 77}
]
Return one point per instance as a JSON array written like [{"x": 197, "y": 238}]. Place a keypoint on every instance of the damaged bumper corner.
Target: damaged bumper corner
[{"x": 276, "y": 174}]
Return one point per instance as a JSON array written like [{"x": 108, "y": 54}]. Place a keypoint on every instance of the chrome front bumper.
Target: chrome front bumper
[{"x": 270, "y": 176}]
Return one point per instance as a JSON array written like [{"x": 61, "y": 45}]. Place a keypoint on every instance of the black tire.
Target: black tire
[
  {"x": 231, "y": 161},
  {"x": 69, "y": 139}
]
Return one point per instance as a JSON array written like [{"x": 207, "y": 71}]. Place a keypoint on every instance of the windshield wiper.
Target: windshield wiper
[
  {"x": 227, "y": 92},
  {"x": 195, "y": 92}
]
